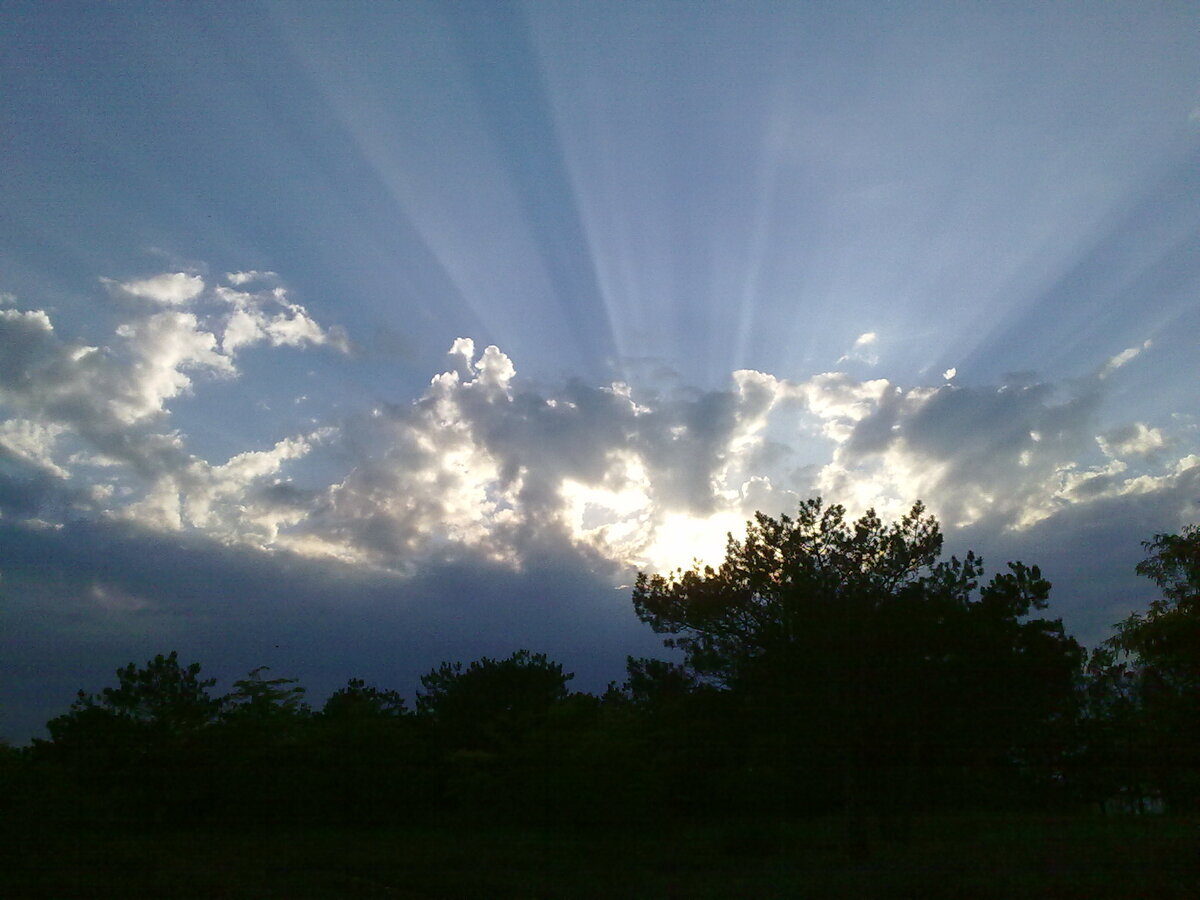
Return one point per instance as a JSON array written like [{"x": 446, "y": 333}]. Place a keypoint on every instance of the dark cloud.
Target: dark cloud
[{"x": 236, "y": 608}]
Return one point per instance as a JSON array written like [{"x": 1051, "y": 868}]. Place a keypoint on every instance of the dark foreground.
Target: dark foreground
[{"x": 948, "y": 856}]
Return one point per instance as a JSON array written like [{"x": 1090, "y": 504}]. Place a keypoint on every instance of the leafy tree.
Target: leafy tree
[
  {"x": 358, "y": 701},
  {"x": 855, "y": 649},
  {"x": 163, "y": 698},
  {"x": 1161, "y": 649},
  {"x": 265, "y": 700},
  {"x": 490, "y": 719},
  {"x": 374, "y": 764},
  {"x": 156, "y": 705},
  {"x": 136, "y": 745},
  {"x": 491, "y": 702},
  {"x": 1166, "y": 639},
  {"x": 261, "y": 750}
]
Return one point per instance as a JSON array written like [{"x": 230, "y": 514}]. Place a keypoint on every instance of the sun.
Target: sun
[{"x": 682, "y": 540}]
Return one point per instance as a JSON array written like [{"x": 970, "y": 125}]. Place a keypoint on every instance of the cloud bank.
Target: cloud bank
[
  {"x": 485, "y": 465},
  {"x": 491, "y": 509}
]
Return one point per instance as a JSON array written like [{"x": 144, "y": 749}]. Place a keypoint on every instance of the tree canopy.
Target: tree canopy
[
  {"x": 857, "y": 647},
  {"x": 491, "y": 702},
  {"x": 826, "y": 664}
]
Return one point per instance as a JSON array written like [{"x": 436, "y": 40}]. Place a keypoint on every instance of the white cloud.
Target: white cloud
[
  {"x": 33, "y": 442},
  {"x": 239, "y": 278},
  {"x": 269, "y": 317},
  {"x": 861, "y": 350},
  {"x": 167, "y": 289},
  {"x": 1137, "y": 439},
  {"x": 115, "y": 599},
  {"x": 162, "y": 346},
  {"x": 1122, "y": 358},
  {"x": 70, "y": 409},
  {"x": 482, "y": 466}
]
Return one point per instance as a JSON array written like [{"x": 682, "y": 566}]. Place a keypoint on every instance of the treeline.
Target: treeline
[{"x": 827, "y": 666}]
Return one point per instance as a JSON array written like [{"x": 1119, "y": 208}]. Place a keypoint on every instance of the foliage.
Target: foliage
[
  {"x": 856, "y": 650},
  {"x": 258, "y": 699},
  {"x": 781, "y": 580},
  {"x": 358, "y": 701},
  {"x": 151, "y": 709},
  {"x": 163, "y": 696},
  {"x": 1166, "y": 639},
  {"x": 1149, "y": 678},
  {"x": 825, "y": 666},
  {"x": 491, "y": 702}
]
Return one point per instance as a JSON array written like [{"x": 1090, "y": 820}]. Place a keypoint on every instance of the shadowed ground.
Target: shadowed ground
[{"x": 949, "y": 856}]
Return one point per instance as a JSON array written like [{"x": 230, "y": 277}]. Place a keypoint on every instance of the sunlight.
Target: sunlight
[
  {"x": 682, "y": 540},
  {"x": 614, "y": 516}
]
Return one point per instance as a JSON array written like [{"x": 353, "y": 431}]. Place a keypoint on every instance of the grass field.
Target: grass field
[{"x": 947, "y": 857}]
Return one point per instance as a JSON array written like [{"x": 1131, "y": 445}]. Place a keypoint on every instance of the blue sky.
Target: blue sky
[{"x": 347, "y": 338}]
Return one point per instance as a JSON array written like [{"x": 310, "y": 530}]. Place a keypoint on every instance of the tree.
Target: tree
[
  {"x": 856, "y": 649},
  {"x": 358, "y": 701},
  {"x": 137, "y": 744},
  {"x": 1166, "y": 639},
  {"x": 261, "y": 750},
  {"x": 373, "y": 764},
  {"x": 779, "y": 585},
  {"x": 489, "y": 719},
  {"x": 491, "y": 702},
  {"x": 1161, "y": 650},
  {"x": 151, "y": 708},
  {"x": 265, "y": 700}
]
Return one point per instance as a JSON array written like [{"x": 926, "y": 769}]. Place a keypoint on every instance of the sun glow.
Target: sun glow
[{"x": 681, "y": 540}]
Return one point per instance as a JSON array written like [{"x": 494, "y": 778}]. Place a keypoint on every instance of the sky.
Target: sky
[{"x": 349, "y": 338}]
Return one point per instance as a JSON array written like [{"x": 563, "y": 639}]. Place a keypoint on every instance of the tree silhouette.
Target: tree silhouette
[
  {"x": 162, "y": 699},
  {"x": 491, "y": 702},
  {"x": 857, "y": 651},
  {"x": 1159, "y": 653},
  {"x": 489, "y": 719},
  {"x": 262, "y": 700},
  {"x": 358, "y": 701},
  {"x": 138, "y": 744}
]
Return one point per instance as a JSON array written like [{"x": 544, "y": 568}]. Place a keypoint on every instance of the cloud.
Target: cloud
[
  {"x": 861, "y": 351},
  {"x": 1136, "y": 439},
  {"x": 1122, "y": 358},
  {"x": 483, "y": 466},
  {"x": 490, "y": 500},
  {"x": 167, "y": 289},
  {"x": 100, "y": 415},
  {"x": 33, "y": 442},
  {"x": 269, "y": 317},
  {"x": 239, "y": 278}
]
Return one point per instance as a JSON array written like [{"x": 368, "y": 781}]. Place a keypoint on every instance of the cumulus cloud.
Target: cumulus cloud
[
  {"x": 100, "y": 415},
  {"x": 269, "y": 317},
  {"x": 33, "y": 442},
  {"x": 239, "y": 278},
  {"x": 1136, "y": 439},
  {"x": 483, "y": 467},
  {"x": 489, "y": 499}
]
